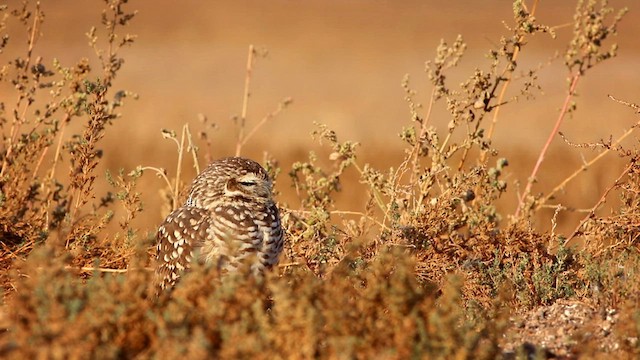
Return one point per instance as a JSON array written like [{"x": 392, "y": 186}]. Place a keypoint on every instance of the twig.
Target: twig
[
  {"x": 635, "y": 107},
  {"x": 15, "y": 128},
  {"x": 552, "y": 134},
  {"x": 343, "y": 212},
  {"x": 105, "y": 270},
  {"x": 505, "y": 85},
  {"x": 245, "y": 99},
  {"x": 263, "y": 121},
  {"x": 598, "y": 157},
  {"x": 376, "y": 192},
  {"x": 59, "y": 146},
  {"x": 39, "y": 163},
  {"x": 582, "y": 168},
  {"x": 159, "y": 172},
  {"x": 603, "y": 198},
  {"x": 192, "y": 148},
  {"x": 99, "y": 269},
  {"x": 289, "y": 264},
  {"x": 423, "y": 131},
  {"x": 176, "y": 189},
  {"x": 554, "y": 220},
  {"x": 185, "y": 136}
]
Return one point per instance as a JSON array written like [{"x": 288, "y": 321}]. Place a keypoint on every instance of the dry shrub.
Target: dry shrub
[
  {"x": 367, "y": 310},
  {"x": 58, "y": 315},
  {"x": 38, "y": 203}
]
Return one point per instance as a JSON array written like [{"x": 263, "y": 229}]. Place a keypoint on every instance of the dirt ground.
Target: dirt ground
[{"x": 565, "y": 330}]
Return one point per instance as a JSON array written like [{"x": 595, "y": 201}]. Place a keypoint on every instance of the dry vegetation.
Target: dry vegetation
[{"x": 426, "y": 267}]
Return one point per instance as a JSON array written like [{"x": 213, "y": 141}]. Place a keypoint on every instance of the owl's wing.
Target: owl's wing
[
  {"x": 182, "y": 232},
  {"x": 273, "y": 240}
]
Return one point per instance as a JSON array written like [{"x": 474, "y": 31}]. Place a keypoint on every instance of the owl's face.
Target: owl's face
[
  {"x": 248, "y": 185},
  {"x": 230, "y": 179}
]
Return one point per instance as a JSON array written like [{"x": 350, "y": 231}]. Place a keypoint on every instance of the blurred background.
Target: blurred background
[{"x": 342, "y": 63}]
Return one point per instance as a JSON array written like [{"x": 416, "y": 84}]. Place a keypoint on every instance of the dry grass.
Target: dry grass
[{"x": 426, "y": 266}]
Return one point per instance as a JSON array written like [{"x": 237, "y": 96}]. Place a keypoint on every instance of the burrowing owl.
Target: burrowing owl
[{"x": 228, "y": 220}]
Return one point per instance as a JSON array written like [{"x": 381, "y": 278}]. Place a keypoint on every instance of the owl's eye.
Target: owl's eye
[{"x": 247, "y": 183}]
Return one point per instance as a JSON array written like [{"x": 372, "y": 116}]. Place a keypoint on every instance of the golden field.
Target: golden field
[{"x": 342, "y": 64}]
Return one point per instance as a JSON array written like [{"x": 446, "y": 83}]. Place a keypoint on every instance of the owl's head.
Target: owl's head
[{"x": 232, "y": 178}]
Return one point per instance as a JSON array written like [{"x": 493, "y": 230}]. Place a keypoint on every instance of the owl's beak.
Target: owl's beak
[{"x": 264, "y": 189}]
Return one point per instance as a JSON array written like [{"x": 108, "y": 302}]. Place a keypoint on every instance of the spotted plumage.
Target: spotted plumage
[{"x": 229, "y": 220}]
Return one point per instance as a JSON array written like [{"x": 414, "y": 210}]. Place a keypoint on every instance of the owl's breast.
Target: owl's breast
[{"x": 244, "y": 234}]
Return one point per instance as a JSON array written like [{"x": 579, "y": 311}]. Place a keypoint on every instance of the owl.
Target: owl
[{"x": 229, "y": 220}]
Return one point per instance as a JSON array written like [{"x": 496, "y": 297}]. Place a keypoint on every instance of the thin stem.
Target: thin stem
[
  {"x": 344, "y": 212},
  {"x": 423, "y": 131},
  {"x": 176, "y": 188},
  {"x": 376, "y": 193},
  {"x": 552, "y": 134},
  {"x": 503, "y": 90},
  {"x": 603, "y": 198},
  {"x": 245, "y": 99},
  {"x": 193, "y": 149},
  {"x": 585, "y": 167},
  {"x": 59, "y": 146},
  {"x": 39, "y": 163},
  {"x": 15, "y": 127},
  {"x": 263, "y": 121},
  {"x": 159, "y": 172}
]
